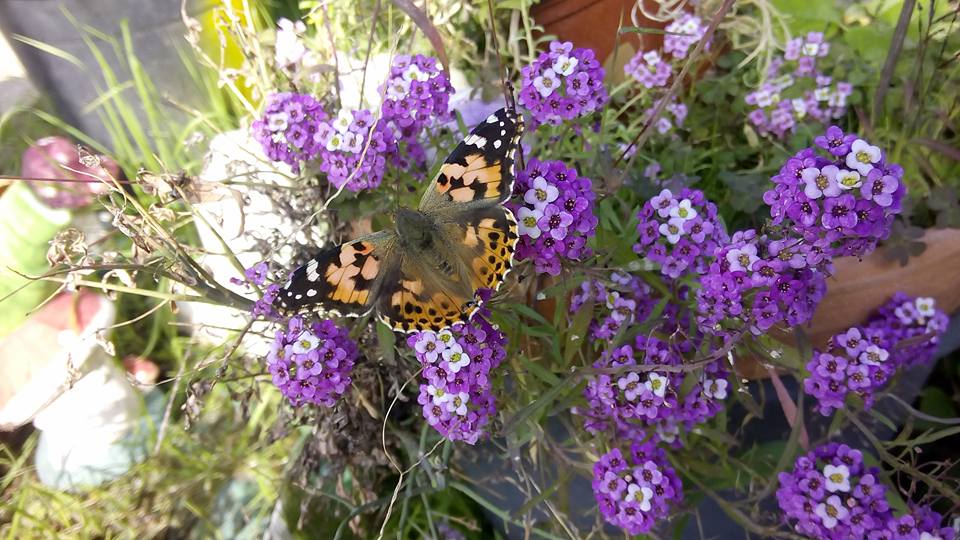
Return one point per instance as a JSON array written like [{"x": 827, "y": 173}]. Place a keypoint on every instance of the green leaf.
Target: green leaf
[{"x": 387, "y": 340}]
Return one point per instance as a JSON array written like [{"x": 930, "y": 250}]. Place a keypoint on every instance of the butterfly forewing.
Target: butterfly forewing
[
  {"x": 344, "y": 279},
  {"x": 480, "y": 168}
]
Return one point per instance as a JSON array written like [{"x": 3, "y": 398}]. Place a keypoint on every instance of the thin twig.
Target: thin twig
[{"x": 896, "y": 45}]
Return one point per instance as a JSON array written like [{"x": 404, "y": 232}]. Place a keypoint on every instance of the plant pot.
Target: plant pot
[
  {"x": 593, "y": 24},
  {"x": 859, "y": 287}
]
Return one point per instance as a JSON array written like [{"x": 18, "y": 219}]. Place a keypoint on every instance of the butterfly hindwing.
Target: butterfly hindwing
[
  {"x": 414, "y": 298},
  {"x": 343, "y": 279},
  {"x": 485, "y": 240},
  {"x": 480, "y": 168}
]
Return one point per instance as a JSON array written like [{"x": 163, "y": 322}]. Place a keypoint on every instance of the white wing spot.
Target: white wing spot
[
  {"x": 312, "y": 274},
  {"x": 496, "y": 143},
  {"x": 493, "y": 118},
  {"x": 297, "y": 297},
  {"x": 503, "y": 132},
  {"x": 311, "y": 293},
  {"x": 476, "y": 140}
]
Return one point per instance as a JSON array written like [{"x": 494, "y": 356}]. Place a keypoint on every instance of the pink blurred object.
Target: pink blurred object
[
  {"x": 54, "y": 157},
  {"x": 143, "y": 370}
]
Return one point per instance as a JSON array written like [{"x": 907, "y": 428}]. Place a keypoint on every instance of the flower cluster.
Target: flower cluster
[
  {"x": 629, "y": 401},
  {"x": 841, "y": 205},
  {"x": 903, "y": 332},
  {"x": 554, "y": 211},
  {"x": 755, "y": 282},
  {"x": 416, "y": 94},
  {"x": 311, "y": 362},
  {"x": 457, "y": 362},
  {"x": 682, "y": 34},
  {"x": 626, "y": 300},
  {"x": 796, "y": 90},
  {"x": 649, "y": 69},
  {"x": 830, "y": 494},
  {"x": 637, "y": 490},
  {"x": 910, "y": 328},
  {"x": 852, "y": 364},
  {"x": 562, "y": 84},
  {"x": 288, "y": 129},
  {"x": 343, "y": 141},
  {"x": 680, "y": 233}
]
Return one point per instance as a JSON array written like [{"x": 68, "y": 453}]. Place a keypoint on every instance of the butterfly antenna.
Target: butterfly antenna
[{"x": 504, "y": 79}]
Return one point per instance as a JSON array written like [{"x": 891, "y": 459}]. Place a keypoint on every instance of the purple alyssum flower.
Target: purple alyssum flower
[
  {"x": 831, "y": 494},
  {"x": 636, "y": 490},
  {"x": 355, "y": 148},
  {"x": 288, "y": 128},
  {"x": 823, "y": 204},
  {"x": 554, "y": 211},
  {"x": 457, "y": 363},
  {"x": 310, "y": 362},
  {"x": 679, "y": 232},
  {"x": 563, "y": 83}
]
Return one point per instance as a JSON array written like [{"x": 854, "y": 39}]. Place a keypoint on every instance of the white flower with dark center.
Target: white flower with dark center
[
  {"x": 455, "y": 357},
  {"x": 564, "y": 65},
  {"x": 457, "y": 404},
  {"x": 682, "y": 210},
  {"x": 642, "y": 495},
  {"x": 541, "y": 194},
  {"x": 657, "y": 384},
  {"x": 305, "y": 342},
  {"x": 742, "y": 259},
  {"x": 439, "y": 395},
  {"x": 862, "y": 156},
  {"x": 527, "y": 219},
  {"x": 715, "y": 388},
  {"x": 838, "y": 478},
  {"x": 414, "y": 73},
  {"x": 874, "y": 356},
  {"x": 277, "y": 121},
  {"x": 546, "y": 83},
  {"x": 672, "y": 229}
]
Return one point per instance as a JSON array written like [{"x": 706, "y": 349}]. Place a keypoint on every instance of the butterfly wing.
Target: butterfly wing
[
  {"x": 414, "y": 297},
  {"x": 483, "y": 240},
  {"x": 479, "y": 171},
  {"x": 345, "y": 279}
]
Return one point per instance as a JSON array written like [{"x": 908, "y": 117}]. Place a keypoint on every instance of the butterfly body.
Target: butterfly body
[{"x": 428, "y": 271}]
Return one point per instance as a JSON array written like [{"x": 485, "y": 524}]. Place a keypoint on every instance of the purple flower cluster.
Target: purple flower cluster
[
  {"x": 343, "y": 140},
  {"x": 628, "y": 402},
  {"x": 416, "y": 94},
  {"x": 910, "y": 328},
  {"x": 554, "y": 211},
  {"x": 562, "y": 84},
  {"x": 626, "y": 300},
  {"x": 797, "y": 91},
  {"x": 679, "y": 232},
  {"x": 649, "y": 69},
  {"x": 635, "y": 491},
  {"x": 854, "y": 363},
  {"x": 682, "y": 34},
  {"x": 756, "y": 283},
  {"x": 457, "y": 362},
  {"x": 311, "y": 362},
  {"x": 288, "y": 129},
  {"x": 860, "y": 361},
  {"x": 830, "y": 494},
  {"x": 841, "y": 205}
]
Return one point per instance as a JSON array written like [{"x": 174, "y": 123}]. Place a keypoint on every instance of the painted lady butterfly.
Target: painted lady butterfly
[{"x": 428, "y": 272}]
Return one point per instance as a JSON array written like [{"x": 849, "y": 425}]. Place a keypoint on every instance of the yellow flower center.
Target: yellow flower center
[
  {"x": 530, "y": 221},
  {"x": 822, "y": 181},
  {"x": 541, "y": 195},
  {"x": 863, "y": 157},
  {"x": 682, "y": 212},
  {"x": 836, "y": 478}
]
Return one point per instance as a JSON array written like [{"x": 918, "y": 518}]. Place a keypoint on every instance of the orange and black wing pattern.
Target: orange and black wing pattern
[
  {"x": 343, "y": 279},
  {"x": 480, "y": 168}
]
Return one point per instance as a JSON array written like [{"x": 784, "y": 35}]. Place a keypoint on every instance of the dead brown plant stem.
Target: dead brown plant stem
[{"x": 893, "y": 53}]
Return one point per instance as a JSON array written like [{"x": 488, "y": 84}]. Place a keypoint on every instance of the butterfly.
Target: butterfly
[{"x": 430, "y": 270}]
